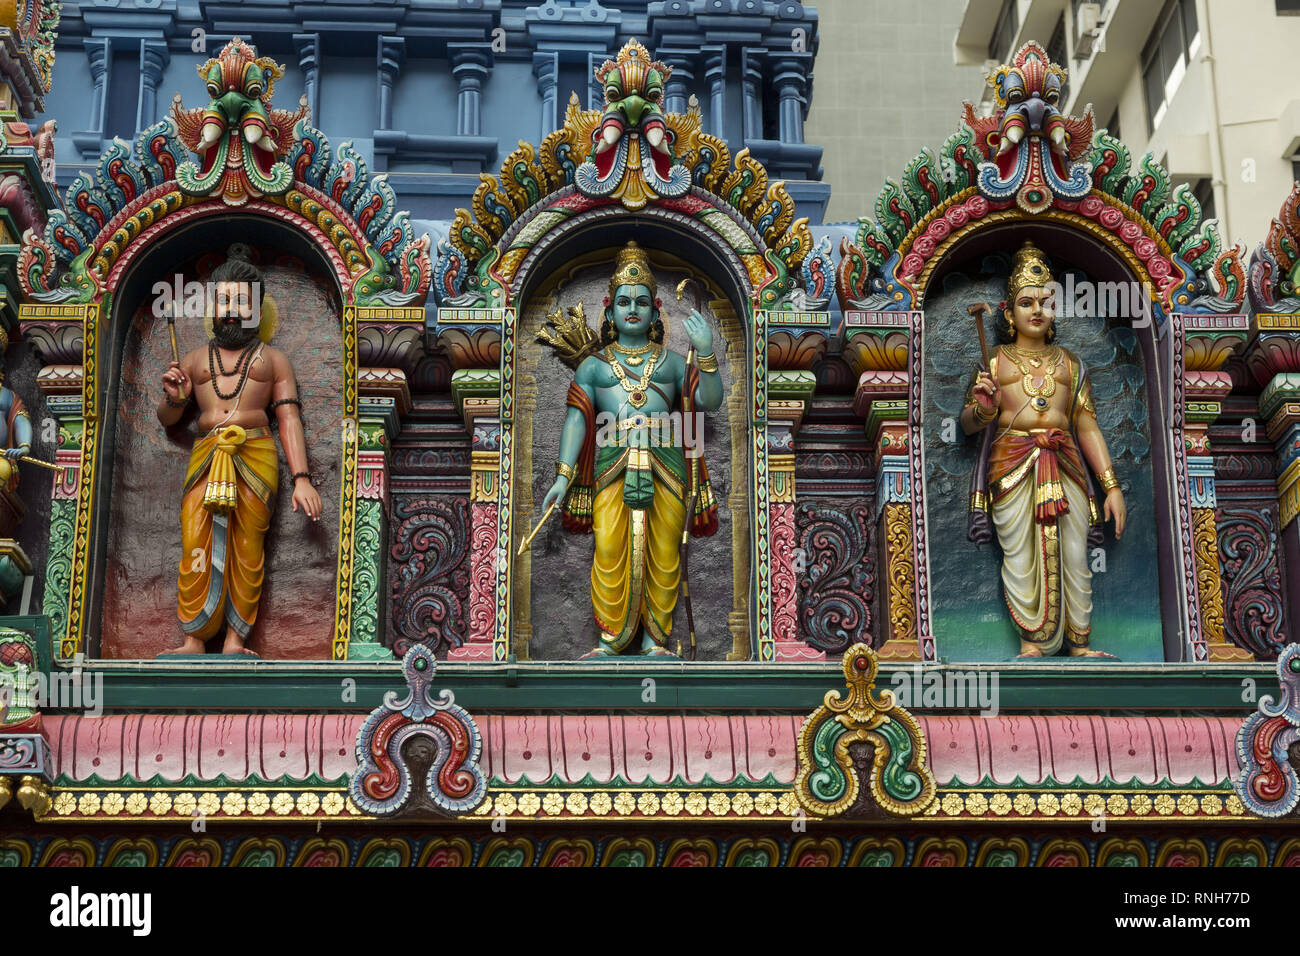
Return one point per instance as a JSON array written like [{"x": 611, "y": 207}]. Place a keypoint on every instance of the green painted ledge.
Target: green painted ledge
[{"x": 219, "y": 684}]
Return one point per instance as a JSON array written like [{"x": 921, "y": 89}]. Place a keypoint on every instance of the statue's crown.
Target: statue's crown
[
  {"x": 632, "y": 267},
  {"x": 1029, "y": 270}
]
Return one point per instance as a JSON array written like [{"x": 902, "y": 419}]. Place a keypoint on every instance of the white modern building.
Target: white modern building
[{"x": 1205, "y": 85}]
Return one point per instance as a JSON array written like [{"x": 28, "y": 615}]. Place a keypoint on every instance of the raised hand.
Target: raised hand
[
  {"x": 699, "y": 332},
  {"x": 986, "y": 392},
  {"x": 175, "y": 382}
]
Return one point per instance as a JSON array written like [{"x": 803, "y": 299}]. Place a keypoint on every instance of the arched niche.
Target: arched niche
[
  {"x": 557, "y": 568},
  {"x": 135, "y": 548},
  {"x": 1132, "y": 367}
]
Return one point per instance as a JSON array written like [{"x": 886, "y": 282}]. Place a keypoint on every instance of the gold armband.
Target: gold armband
[
  {"x": 566, "y": 470},
  {"x": 1108, "y": 479},
  {"x": 707, "y": 363}
]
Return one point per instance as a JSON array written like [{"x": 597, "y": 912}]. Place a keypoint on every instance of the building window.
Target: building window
[
  {"x": 1203, "y": 190},
  {"x": 1057, "y": 53},
  {"x": 1113, "y": 126},
  {"x": 1288, "y": 8},
  {"x": 1004, "y": 31},
  {"x": 1168, "y": 52}
]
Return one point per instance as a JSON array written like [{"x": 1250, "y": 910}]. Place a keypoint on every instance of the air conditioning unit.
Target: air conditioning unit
[{"x": 1088, "y": 31}]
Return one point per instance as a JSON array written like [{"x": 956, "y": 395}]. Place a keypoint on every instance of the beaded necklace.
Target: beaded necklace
[{"x": 243, "y": 365}]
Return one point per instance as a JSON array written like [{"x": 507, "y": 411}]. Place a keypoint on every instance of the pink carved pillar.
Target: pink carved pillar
[{"x": 482, "y": 420}]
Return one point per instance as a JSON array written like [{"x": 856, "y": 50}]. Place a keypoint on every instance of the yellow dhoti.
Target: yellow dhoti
[
  {"x": 636, "y": 570},
  {"x": 225, "y": 513}
]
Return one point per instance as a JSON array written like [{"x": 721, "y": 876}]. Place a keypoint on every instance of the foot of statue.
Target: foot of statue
[
  {"x": 1029, "y": 650},
  {"x": 1088, "y": 652},
  {"x": 600, "y": 650},
  {"x": 651, "y": 649},
  {"x": 192, "y": 645},
  {"x": 235, "y": 644}
]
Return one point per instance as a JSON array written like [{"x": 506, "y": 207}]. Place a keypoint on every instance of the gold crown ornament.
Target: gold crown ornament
[
  {"x": 632, "y": 267},
  {"x": 1028, "y": 271}
]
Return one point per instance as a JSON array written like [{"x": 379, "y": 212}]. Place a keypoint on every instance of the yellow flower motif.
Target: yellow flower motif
[
  {"x": 308, "y": 803},
  {"x": 209, "y": 803},
  {"x": 952, "y": 804},
  {"x": 352, "y": 808},
  {"x": 1000, "y": 804},
  {"x": 88, "y": 804},
  {"x": 64, "y": 804},
  {"x": 576, "y": 803},
  {"x": 1117, "y": 805},
  {"x": 332, "y": 804},
  {"x": 1164, "y": 804},
  {"x": 766, "y": 804},
  {"x": 483, "y": 809},
  {"x": 1048, "y": 804},
  {"x": 1187, "y": 804},
  {"x": 648, "y": 804},
  {"x": 552, "y": 803},
  {"x": 977, "y": 804},
  {"x": 185, "y": 804},
  {"x": 282, "y": 804},
  {"x": 135, "y": 804},
  {"x": 600, "y": 803},
  {"x": 672, "y": 803},
  {"x": 1071, "y": 804},
  {"x": 789, "y": 803},
  {"x": 719, "y": 804},
  {"x": 529, "y": 804},
  {"x": 1141, "y": 804},
  {"x": 1094, "y": 804},
  {"x": 1024, "y": 804},
  {"x": 258, "y": 803},
  {"x": 505, "y": 804},
  {"x": 742, "y": 804},
  {"x": 160, "y": 804},
  {"x": 1234, "y": 805},
  {"x": 695, "y": 803},
  {"x": 112, "y": 804},
  {"x": 233, "y": 804},
  {"x": 1210, "y": 803},
  {"x": 624, "y": 803}
]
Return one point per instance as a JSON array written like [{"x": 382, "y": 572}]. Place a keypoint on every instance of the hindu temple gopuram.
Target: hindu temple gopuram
[{"x": 451, "y": 434}]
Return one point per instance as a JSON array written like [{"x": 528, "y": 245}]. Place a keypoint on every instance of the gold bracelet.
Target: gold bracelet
[
  {"x": 566, "y": 470},
  {"x": 1108, "y": 479},
  {"x": 982, "y": 417},
  {"x": 707, "y": 363}
]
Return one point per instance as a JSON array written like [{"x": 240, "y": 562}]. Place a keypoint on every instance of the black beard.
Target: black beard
[{"x": 233, "y": 335}]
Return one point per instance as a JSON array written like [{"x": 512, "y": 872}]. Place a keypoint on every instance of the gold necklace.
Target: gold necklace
[
  {"x": 632, "y": 357},
  {"x": 637, "y": 396},
  {"x": 1037, "y": 394}
]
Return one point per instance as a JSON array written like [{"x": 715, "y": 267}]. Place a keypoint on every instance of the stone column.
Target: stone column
[
  {"x": 715, "y": 71},
  {"x": 90, "y": 140},
  {"x": 678, "y": 87},
  {"x": 790, "y": 79},
  {"x": 470, "y": 63},
  {"x": 751, "y": 70},
  {"x": 154, "y": 57},
  {"x": 546, "y": 67},
  {"x": 308, "y": 47},
  {"x": 391, "y": 57}
]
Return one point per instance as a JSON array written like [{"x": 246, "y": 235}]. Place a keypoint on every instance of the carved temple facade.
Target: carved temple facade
[{"x": 840, "y": 569}]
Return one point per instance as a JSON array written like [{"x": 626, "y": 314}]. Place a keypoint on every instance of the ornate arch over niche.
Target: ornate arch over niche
[
  {"x": 289, "y": 179},
  {"x": 606, "y": 177},
  {"x": 1028, "y": 171}
]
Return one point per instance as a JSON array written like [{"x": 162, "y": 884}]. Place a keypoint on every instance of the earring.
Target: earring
[
  {"x": 607, "y": 333},
  {"x": 657, "y": 331}
]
